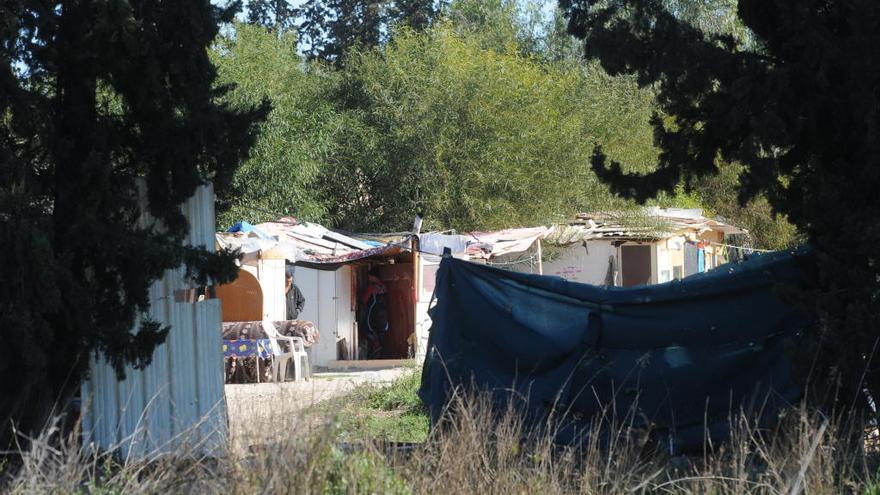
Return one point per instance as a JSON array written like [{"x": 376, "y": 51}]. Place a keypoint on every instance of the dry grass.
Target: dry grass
[{"x": 477, "y": 450}]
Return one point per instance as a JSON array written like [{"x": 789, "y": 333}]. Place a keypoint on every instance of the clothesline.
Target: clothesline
[{"x": 743, "y": 248}]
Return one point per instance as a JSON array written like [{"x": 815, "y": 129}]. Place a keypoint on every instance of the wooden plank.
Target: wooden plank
[
  {"x": 540, "y": 260},
  {"x": 314, "y": 241}
]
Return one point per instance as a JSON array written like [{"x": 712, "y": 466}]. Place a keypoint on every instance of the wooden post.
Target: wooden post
[{"x": 540, "y": 262}]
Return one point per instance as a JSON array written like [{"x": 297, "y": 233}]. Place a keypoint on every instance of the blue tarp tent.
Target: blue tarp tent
[{"x": 684, "y": 355}]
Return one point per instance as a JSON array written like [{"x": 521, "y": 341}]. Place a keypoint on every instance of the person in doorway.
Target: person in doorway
[
  {"x": 374, "y": 300},
  {"x": 295, "y": 300}
]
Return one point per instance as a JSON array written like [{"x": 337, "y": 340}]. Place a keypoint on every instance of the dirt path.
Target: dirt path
[{"x": 258, "y": 412}]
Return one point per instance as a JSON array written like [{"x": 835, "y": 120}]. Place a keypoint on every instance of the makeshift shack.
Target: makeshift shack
[
  {"x": 330, "y": 270},
  {"x": 613, "y": 249},
  {"x": 177, "y": 400}
]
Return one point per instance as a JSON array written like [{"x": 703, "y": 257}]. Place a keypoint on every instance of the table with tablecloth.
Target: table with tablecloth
[{"x": 248, "y": 339}]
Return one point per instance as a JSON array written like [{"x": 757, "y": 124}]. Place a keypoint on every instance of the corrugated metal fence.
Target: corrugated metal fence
[{"x": 176, "y": 403}]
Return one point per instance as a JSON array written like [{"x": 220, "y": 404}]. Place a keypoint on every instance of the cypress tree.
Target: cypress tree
[
  {"x": 104, "y": 105},
  {"x": 797, "y": 106}
]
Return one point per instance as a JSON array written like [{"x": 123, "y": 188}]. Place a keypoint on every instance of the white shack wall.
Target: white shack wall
[
  {"x": 345, "y": 316},
  {"x": 428, "y": 266},
  {"x": 270, "y": 274},
  {"x": 328, "y": 306},
  {"x": 584, "y": 263},
  {"x": 177, "y": 402}
]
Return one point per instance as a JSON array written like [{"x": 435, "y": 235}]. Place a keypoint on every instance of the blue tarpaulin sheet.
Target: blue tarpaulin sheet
[
  {"x": 247, "y": 227},
  {"x": 678, "y": 358}
]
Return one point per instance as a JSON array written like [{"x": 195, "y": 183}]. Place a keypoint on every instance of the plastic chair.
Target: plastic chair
[
  {"x": 301, "y": 368},
  {"x": 280, "y": 357}
]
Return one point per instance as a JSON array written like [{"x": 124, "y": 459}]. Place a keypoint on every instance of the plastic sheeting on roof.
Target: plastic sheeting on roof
[
  {"x": 482, "y": 244},
  {"x": 509, "y": 241},
  {"x": 304, "y": 244},
  {"x": 672, "y": 358}
]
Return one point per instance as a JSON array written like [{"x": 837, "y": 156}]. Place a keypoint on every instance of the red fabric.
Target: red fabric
[{"x": 377, "y": 288}]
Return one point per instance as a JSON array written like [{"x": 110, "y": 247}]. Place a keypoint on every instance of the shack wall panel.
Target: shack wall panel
[
  {"x": 177, "y": 399},
  {"x": 307, "y": 281},
  {"x": 182, "y": 352},
  {"x": 208, "y": 373},
  {"x": 588, "y": 264},
  {"x": 158, "y": 409},
  {"x": 131, "y": 392},
  {"x": 272, "y": 281},
  {"x": 319, "y": 289},
  {"x": 423, "y": 326},
  {"x": 104, "y": 403},
  {"x": 325, "y": 348}
]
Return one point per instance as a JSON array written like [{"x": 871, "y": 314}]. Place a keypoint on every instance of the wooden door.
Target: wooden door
[
  {"x": 636, "y": 265},
  {"x": 242, "y": 299}
]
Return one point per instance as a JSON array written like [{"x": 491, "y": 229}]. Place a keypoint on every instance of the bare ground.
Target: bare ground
[{"x": 258, "y": 413}]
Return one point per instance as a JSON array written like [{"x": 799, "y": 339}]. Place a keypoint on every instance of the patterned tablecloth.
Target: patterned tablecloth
[
  {"x": 253, "y": 331},
  {"x": 246, "y": 339},
  {"x": 249, "y": 348}
]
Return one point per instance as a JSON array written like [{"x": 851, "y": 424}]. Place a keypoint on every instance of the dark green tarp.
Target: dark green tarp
[{"x": 684, "y": 354}]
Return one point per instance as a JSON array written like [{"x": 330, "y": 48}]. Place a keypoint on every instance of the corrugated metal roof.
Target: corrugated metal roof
[
  {"x": 310, "y": 244},
  {"x": 651, "y": 223}
]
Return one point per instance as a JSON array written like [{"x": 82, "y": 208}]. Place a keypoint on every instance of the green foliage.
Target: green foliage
[
  {"x": 497, "y": 24},
  {"x": 332, "y": 27},
  {"x": 282, "y": 173},
  {"x": 104, "y": 108},
  {"x": 329, "y": 29},
  {"x": 505, "y": 26},
  {"x": 718, "y": 194},
  {"x": 793, "y": 102},
  {"x": 277, "y": 15},
  {"x": 475, "y": 138},
  {"x": 362, "y": 473},
  {"x": 401, "y": 395},
  {"x": 485, "y": 120},
  {"x": 713, "y": 16}
]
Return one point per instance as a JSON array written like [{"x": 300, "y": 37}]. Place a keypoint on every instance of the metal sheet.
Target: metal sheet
[{"x": 177, "y": 401}]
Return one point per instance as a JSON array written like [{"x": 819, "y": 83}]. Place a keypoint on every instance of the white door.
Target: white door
[
  {"x": 325, "y": 349},
  {"x": 344, "y": 314}
]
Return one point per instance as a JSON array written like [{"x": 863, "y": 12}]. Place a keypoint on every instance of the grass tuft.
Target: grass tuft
[
  {"x": 478, "y": 449},
  {"x": 386, "y": 413}
]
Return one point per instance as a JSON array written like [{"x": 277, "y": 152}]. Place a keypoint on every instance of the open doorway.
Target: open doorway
[{"x": 385, "y": 308}]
